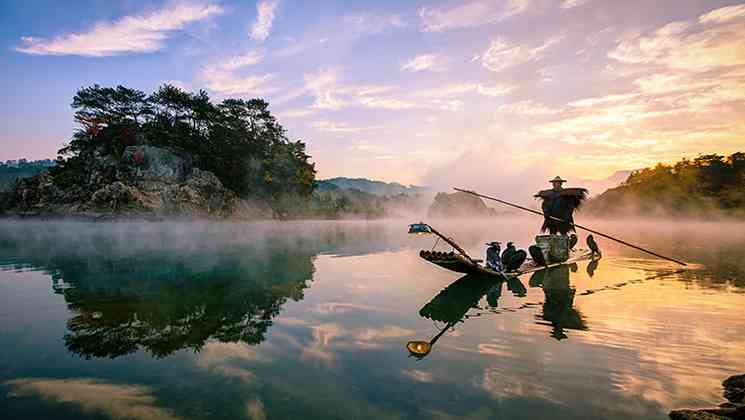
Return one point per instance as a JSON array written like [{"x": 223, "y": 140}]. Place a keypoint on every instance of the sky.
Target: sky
[{"x": 500, "y": 94}]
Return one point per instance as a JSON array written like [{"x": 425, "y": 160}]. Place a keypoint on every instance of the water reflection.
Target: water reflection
[
  {"x": 643, "y": 336},
  {"x": 558, "y": 307},
  {"x": 460, "y": 301},
  {"x": 171, "y": 306},
  {"x": 153, "y": 290}
]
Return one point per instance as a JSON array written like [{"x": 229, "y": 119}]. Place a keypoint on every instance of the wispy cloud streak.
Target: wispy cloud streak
[
  {"x": 261, "y": 29},
  {"x": 131, "y": 34}
]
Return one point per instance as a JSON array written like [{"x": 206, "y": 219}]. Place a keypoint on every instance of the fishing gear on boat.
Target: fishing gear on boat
[{"x": 517, "y": 206}]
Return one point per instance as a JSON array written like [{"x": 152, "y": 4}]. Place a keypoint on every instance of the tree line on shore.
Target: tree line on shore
[{"x": 708, "y": 185}]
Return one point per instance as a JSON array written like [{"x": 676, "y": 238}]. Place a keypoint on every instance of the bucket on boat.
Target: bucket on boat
[{"x": 555, "y": 248}]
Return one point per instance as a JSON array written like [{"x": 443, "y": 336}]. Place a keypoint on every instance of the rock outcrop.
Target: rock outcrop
[
  {"x": 734, "y": 408},
  {"x": 145, "y": 181},
  {"x": 459, "y": 204}
]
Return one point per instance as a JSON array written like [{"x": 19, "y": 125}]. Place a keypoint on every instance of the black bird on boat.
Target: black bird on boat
[
  {"x": 537, "y": 255},
  {"x": 507, "y": 253},
  {"x": 593, "y": 246},
  {"x": 513, "y": 258},
  {"x": 573, "y": 241}
]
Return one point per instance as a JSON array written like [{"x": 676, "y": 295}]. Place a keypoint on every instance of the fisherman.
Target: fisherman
[
  {"x": 493, "y": 259},
  {"x": 560, "y": 203}
]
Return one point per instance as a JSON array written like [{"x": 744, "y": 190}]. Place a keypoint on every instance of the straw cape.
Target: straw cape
[{"x": 560, "y": 203}]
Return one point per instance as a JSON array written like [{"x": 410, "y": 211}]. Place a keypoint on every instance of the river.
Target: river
[{"x": 179, "y": 320}]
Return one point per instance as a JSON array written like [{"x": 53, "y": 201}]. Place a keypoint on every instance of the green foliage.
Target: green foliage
[
  {"x": 238, "y": 140},
  {"x": 706, "y": 185}
]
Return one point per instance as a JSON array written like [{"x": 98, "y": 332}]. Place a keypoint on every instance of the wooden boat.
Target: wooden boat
[{"x": 463, "y": 264}]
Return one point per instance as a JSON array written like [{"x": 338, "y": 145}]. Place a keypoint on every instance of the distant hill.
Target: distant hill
[
  {"x": 330, "y": 201},
  {"x": 11, "y": 170},
  {"x": 707, "y": 186},
  {"x": 599, "y": 186},
  {"x": 378, "y": 188},
  {"x": 459, "y": 204}
]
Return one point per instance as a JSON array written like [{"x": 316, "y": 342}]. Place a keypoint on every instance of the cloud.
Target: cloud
[
  {"x": 713, "y": 42},
  {"x": 385, "y": 103},
  {"x": 569, "y": 4},
  {"x": 323, "y": 85},
  {"x": 725, "y": 14},
  {"x": 341, "y": 127},
  {"x": 528, "y": 107},
  {"x": 430, "y": 62},
  {"x": 369, "y": 23},
  {"x": 467, "y": 88},
  {"x": 225, "y": 82},
  {"x": 470, "y": 14},
  {"x": 295, "y": 113},
  {"x": 418, "y": 375},
  {"x": 264, "y": 18},
  {"x": 502, "y": 55},
  {"x": 94, "y": 397},
  {"x": 248, "y": 59},
  {"x": 131, "y": 34}
]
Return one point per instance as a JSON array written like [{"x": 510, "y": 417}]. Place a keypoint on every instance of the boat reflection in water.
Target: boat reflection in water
[
  {"x": 460, "y": 301},
  {"x": 558, "y": 308}
]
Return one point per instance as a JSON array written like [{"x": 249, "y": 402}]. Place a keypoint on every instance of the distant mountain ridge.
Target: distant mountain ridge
[
  {"x": 378, "y": 188},
  {"x": 599, "y": 186}
]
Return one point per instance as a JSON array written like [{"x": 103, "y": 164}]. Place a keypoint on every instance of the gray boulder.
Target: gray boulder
[{"x": 150, "y": 163}]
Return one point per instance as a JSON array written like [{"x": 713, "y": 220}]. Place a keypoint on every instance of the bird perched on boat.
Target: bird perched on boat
[
  {"x": 507, "y": 253},
  {"x": 537, "y": 255},
  {"x": 560, "y": 203},
  {"x": 573, "y": 241},
  {"x": 513, "y": 258},
  {"x": 593, "y": 246}
]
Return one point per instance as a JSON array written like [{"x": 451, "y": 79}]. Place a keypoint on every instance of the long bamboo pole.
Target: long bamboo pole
[
  {"x": 572, "y": 224},
  {"x": 451, "y": 243}
]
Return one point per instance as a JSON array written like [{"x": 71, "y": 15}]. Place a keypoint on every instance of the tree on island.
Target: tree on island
[{"x": 237, "y": 140}]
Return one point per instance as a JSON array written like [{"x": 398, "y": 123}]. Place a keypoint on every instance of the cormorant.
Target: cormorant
[
  {"x": 593, "y": 246},
  {"x": 537, "y": 254},
  {"x": 515, "y": 260},
  {"x": 507, "y": 253},
  {"x": 573, "y": 241}
]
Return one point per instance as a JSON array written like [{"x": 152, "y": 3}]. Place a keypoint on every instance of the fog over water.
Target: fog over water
[{"x": 310, "y": 319}]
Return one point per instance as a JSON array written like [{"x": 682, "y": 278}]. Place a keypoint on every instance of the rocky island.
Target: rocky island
[{"x": 170, "y": 153}]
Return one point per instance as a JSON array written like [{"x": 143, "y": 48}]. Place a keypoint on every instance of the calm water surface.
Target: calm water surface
[{"x": 311, "y": 320}]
